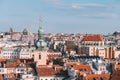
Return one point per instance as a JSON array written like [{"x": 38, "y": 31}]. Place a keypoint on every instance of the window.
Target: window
[
  {"x": 81, "y": 70},
  {"x": 27, "y": 76},
  {"x": 39, "y": 56},
  {"x": 11, "y": 71},
  {"x": 103, "y": 69}
]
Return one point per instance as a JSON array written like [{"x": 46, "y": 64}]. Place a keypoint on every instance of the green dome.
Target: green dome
[
  {"x": 25, "y": 32},
  {"x": 40, "y": 43}
]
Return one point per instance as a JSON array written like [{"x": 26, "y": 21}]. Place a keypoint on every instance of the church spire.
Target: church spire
[
  {"x": 40, "y": 30},
  {"x": 40, "y": 43},
  {"x": 40, "y": 33}
]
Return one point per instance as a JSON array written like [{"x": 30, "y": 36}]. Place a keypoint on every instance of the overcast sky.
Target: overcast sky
[{"x": 67, "y": 16}]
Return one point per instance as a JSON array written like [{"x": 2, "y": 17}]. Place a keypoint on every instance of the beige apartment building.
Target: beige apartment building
[{"x": 93, "y": 45}]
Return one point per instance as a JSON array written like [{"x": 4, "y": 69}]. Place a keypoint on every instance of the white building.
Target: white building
[
  {"x": 16, "y": 52},
  {"x": 99, "y": 67}
]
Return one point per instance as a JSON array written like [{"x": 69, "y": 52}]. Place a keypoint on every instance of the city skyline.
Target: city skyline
[{"x": 67, "y": 16}]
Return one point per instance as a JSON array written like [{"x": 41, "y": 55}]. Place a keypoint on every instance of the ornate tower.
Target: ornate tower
[
  {"x": 40, "y": 56},
  {"x": 40, "y": 33},
  {"x": 40, "y": 43}
]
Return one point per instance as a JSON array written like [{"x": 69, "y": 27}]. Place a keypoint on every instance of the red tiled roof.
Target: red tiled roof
[
  {"x": 118, "y": 66},
  {"x": 49, "y": 71},
  {"x": 97, "y": 77},
  {"x": 11, "y": 64},
  {"x": 116, "y": 75},
  {"x": 2, "y": 60},
  {"x": 93, "y": 38},
  {"x": 83, "y": 67},
  {"x": 53, "y": 56},
  {"x": 1, "y": 77}
]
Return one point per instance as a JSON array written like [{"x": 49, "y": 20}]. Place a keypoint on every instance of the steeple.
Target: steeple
[
  {"x": 40, "y": 30},
  {"x": 40, "y": 43},
  {"x": 40, "y": 33}
]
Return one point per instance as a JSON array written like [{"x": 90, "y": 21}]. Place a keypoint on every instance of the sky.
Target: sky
[{"x": 61, "y": 16}]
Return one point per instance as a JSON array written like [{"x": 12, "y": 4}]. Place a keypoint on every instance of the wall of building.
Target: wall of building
[
  {"x": 40, "y": 57},
  {"x": 50, "y": 78}
]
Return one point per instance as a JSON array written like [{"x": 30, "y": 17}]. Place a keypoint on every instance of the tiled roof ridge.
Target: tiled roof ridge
[{"x": 95, "y": 37}]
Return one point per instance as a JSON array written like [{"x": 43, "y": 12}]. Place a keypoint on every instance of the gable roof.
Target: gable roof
[
  {"x": 98, "y": 76},
  {"x": 93, "y": 38},
  {"x": 49, "y": 71},
  {"x": 116, "y": 75},
  {"x": 83, "y": 67},
  {"x": 118, "y": 66}
]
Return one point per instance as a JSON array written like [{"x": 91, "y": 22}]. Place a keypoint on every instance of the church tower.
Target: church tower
[
  {"x": 40, "y": 43},
  {"x": 40, "y": 55}
]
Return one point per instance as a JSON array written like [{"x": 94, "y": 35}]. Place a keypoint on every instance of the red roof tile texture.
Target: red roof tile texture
[
  {"x": 1, "y": 77},
  {"x": 49, "y": 71},
  {"x": 82, "y": 67},
  {"x": 53, "y": 56},
  {"x": 2, "y": 60},
  {"x": 11, "y": 65},
  {"x": 115, "y": 75},
  {"x": 98, "y": 77},
  {"x": 93, "y": 38},
  {"x": 118, "y": 66}
]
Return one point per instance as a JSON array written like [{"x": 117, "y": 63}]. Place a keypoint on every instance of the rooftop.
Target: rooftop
[
  {"x": 97, "y": 77},
  {"x": 50, "y": 71},
  {"x": 93, "y": 38},
  {"x": 82, "y": 67},
  {"x": 116, "y": 75}
]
